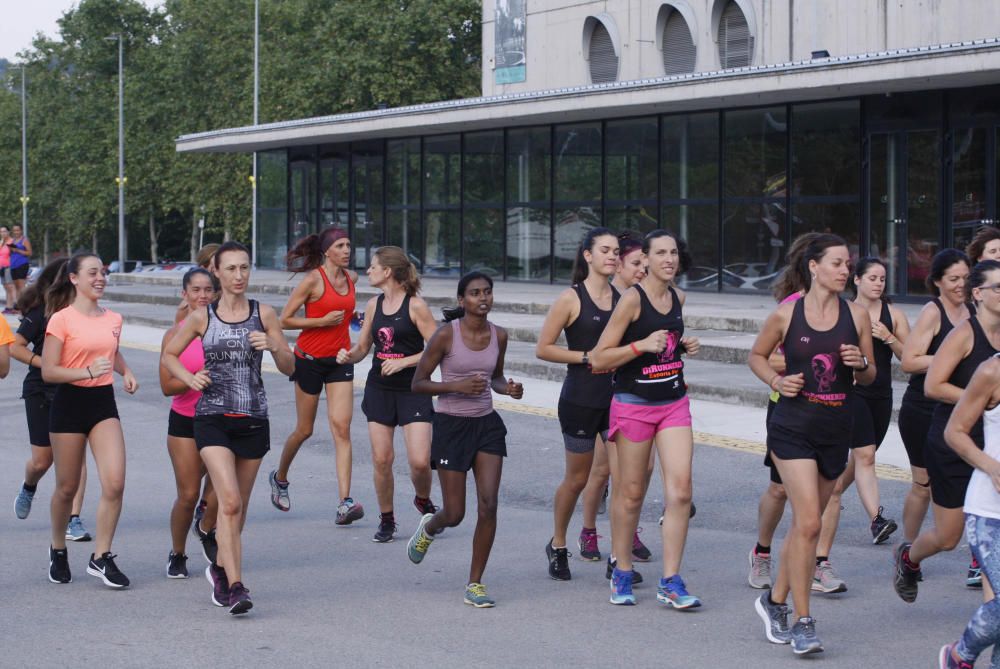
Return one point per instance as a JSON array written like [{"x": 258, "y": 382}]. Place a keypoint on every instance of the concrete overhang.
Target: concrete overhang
[{"x": 959, "y": 65}]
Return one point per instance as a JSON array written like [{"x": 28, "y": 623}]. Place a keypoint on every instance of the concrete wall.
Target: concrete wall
[{"x": 784, "y": 31}]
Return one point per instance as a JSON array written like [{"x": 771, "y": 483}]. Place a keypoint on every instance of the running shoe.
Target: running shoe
[
  {"x": 424, "y": 506},
  {"x": 417, "y": 547},
  {"x": 602, "y": 506},
  {"x": 475, "y": 595},
  {"x": 691, "y": 513},
  {"x": 775, "y": 617},
  {"x": 75, "y": 531},
  {"x": 209, "y": 545},
  {"x": 216, "y": 575},
  {"x": 177, "y": 565},
  {"x": 279, "y": 492},
  {"x": 905, "y": 577},
  {"x": 239, "y": 599},
  {"x": 804, "y": 639},
  {"x": 621, "y": 588},
  {"x": 825, "y": 579},
  {"x": 385, "y": 532},
  {"x": 673, "y": 592},
  {"x": 882, "y": 528},
  {"x": 639, "y": 551},
  {"x": 349, "y": 511},
  {"x": 587, "y": 543},
  {"x": 760, "y": 570},
  {"x": 974, "y": 578},
  {"x": 558, "y": 562},
  {"x": 104, "y": 568},
  {"x": 22, "y": 503},
  {"x": 199, "y": 511},
  {"x": 613, "y": 564},
  {"x": 59, "y": 565},
  {"x": 946, "y": 659}
]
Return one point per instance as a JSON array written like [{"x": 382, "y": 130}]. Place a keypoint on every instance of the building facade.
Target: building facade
[{"x": 738, "y": 124}]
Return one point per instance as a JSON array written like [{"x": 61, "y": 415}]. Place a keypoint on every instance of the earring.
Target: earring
[{"x": 813, "y": 276}]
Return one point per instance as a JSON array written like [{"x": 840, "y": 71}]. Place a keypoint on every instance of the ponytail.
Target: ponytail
[
  {"x": 62, "y": 292},
  {"x": 310, "y": 252}
]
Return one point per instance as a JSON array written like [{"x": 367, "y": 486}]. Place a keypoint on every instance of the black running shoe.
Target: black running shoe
[
  {"x": 177, "y": 565},
  {"x": 882, "y": 528},
  {"x": 636, "y": 576},
  {"x": 558, "y": 562},
  {"x": 104, "y": 568},
  {"x": 239, "y": 599},
  {"x": 209, "y": 546},
  {"x": 59, "y": 566},
  {"x": 386, "y": 531},
  {"x": 216, "y": 575},
  {"x": 905, "y": 578},
  {"x": 424, "y": 506}
]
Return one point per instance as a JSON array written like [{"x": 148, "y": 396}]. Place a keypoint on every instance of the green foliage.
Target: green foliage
[{"x": 189, "y": 68}]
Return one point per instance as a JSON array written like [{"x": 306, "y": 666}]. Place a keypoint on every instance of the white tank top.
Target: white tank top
[{"x": 981, "y": 498}]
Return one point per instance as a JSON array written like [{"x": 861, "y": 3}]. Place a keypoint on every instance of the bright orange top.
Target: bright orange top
[
  {"x": 85, "y": 339},
  {"x": 6, "y": 336},
  {"x": 326, "y": 342}
]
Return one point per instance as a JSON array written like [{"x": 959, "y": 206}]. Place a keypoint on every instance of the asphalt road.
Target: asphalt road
[{"x": 327, "y": 596}]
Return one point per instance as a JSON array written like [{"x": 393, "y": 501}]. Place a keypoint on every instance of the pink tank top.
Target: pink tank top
[
  {"x": 193, "y": 359},
  {"x": 461, "y": 362}
]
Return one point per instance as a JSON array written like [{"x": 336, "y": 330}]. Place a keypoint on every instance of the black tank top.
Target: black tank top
[
  {"x": 582, "y": 386},
  {"x": 822, "y": 409},
  {"x": 981, "y": 350},
  {"x": 394, "y": 336},
  {"x": 915, "y": 388},
  {"x": 881, "y": 387},
  {"x": 656, "y": 377}
]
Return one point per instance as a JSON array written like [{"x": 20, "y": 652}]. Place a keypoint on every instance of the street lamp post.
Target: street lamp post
[
  {"x": 120, "y": 180},
  {"x": 24, "y": 150},
  {"x": 256, "y": 92}
]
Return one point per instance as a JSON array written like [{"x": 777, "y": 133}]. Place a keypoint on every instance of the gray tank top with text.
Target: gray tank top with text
[{"x": 234, "y": 365}]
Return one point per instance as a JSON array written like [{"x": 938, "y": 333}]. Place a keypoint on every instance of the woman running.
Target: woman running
[
  {"x": 20, "y": 258},
  {"x": 37, "y": 396},
  {"x": 198, "y": 291},
  {"x": 971, "y": 342},
  {"x": 581, "y": 311},
  {"x": 643, "y": 342},
  {"x": 946, "y": 281},
  {"x": 81, "y": 351},
  {"x": 231, "y": 428},
  {"x": 827, "y": 347},
  {"x": 978, "y": 403},
  {"x": 327, "y": 291},
  {"x": 468, "y": 433},
  {"x": 401, "y": 323}
]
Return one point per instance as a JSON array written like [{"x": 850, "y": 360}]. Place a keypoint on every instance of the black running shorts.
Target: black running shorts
[
  {"x": 831, "y": 458},
  {"x": 313, "y": 374},
  {"x": 914, "y": 424},
  {"x": 582, "y": 424},
  {"x": 396, "y": 407},
  {"x": 36, "y": 408},
  {"x": 458, "y": 439},
  {"x": 871, "y": 421},
  {"x": 775, "y": 476},
  {"x": 180, "y": 426},
  {"x": 78, "y": 409},
  {"x": 949, "y": 473},
  {"x": 248, "y": 437},
  {"x": 19, "y": 273}
]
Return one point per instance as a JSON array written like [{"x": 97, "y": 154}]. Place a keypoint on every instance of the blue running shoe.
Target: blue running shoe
[
  {"x": 673, "y": 592},
  {"x": 475, "y": 595},
  {"x": 417, "y": 547},
  {"x": 621, "y": 587},
  {"x": 22, "y": 503}
]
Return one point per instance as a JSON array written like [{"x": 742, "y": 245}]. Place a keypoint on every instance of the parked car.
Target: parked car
[{"x": 129, "y": 266}]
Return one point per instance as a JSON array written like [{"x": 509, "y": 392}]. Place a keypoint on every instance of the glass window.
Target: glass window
[
  {"x": 303, "y": 196},
  {"x": 572, "y": 223},
  {"x": 333, "y": 184},
  {"x": 483, "y": 169},
  {"x": 690, "y": 156},
  {"x": 366, "y": 233},
  {"x": 404, "y": 232},
  {"x": 755, "y": 152},
  {"x": 272, "y": 203},
  {"x": 825, "y": 156},
  {"x": 442, "y": 170},
  {"x": 441, "y": 252},
  {"x": 698, "y": 225},
  {"x": 842, "y": 219},
  {"x": 403, "y": 172},
  {"x": 529, "y": 160},
  {"x": 969, "y": 160},
  {"x": 483, "y": 240},
  {"x": 528, "y": 243},
  {"x": 636, "y": 218},
  {"x": 753, "y": 237},
  {"x": 578, "y": 162},
  {"x": 630, "y": 160}
]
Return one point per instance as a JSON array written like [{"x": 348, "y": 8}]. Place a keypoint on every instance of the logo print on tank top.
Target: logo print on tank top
[
  {"x": 667, "y": 354},
  {"x": 824, "y": 368},
  {"x": 386, "y": 338}
]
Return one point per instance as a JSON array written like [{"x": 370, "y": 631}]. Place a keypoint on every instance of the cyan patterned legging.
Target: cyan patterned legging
[{"x": 983, "y": 629}]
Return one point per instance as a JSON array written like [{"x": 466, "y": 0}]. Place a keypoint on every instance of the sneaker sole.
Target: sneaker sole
[
  {"x": 349, "y": 518},
  {"x": 239, "y": 608},
  {"x": 85, "y": 537},
  {"x": 175, "y": 576},
  {"x": 680, "y": 607},
  {"x": 383, "y": 541},
  {"x": 974, "y": 583},
  {"x": 816, "y": 587},
  {"x": 756, "y": 586},
  {"x": 596, "y": 558},
  {"x": 480, "y": 605},
  {"x": 759, "y": 608},
  {"x": 808, "y": 651},
  {"x": 115, "y": 586},
  {"x": 623, "y": 602},
  {"x": 884, "y": 534},
  {"x": 642, "y": 559}
]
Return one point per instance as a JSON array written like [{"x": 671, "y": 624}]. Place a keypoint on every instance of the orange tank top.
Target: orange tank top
[{"x": 326, "y": 342}]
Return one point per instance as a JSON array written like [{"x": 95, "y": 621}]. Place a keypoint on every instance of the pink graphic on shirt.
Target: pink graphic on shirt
[
  {"x": 667, "y": 354},
  {"x": 824, "y": 368},
  {"x": 386, "y": 338}
]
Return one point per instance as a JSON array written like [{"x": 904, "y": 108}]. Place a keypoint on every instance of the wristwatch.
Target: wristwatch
[
  {"x": 865, "y": 359},
  {"x": 585, "y": 360}
]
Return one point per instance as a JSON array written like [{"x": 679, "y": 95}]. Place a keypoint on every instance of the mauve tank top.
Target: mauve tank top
[{"x": 461, "y": 362}]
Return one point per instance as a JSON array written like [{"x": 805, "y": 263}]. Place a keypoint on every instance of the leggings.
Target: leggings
[{"x": 983, "y": 629}]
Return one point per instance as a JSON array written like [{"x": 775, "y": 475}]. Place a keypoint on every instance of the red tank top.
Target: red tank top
[{"x": 326, "y": 342}]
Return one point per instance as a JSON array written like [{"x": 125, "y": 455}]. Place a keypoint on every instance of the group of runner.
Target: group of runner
[{"x": 826, "y": 360}]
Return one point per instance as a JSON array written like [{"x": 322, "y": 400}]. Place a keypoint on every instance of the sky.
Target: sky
[{"x": 21, "y": 20}]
